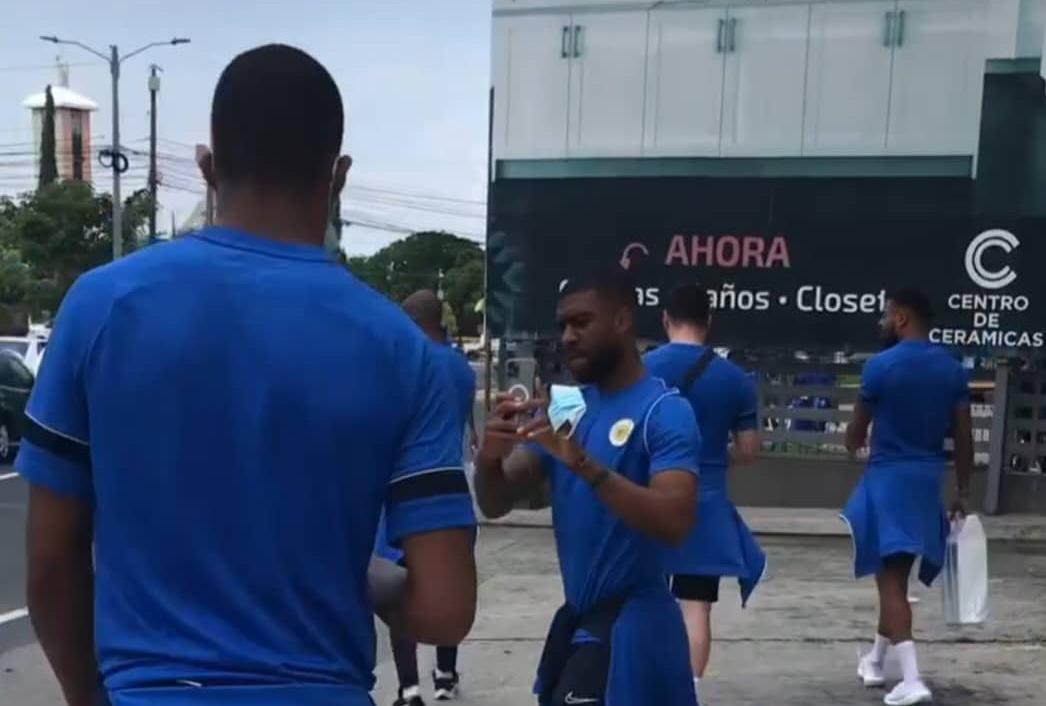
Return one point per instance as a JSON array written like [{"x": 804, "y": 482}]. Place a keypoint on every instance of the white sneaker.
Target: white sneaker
[
  {"x": 870, "y": 673},
  {"x": 908, "y": 694}
]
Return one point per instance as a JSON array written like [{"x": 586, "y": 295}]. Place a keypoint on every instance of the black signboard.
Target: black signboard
[{"x": 800, "y": 263}]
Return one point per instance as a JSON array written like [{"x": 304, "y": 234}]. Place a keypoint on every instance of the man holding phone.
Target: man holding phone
[{"x": 619, "y": 457}]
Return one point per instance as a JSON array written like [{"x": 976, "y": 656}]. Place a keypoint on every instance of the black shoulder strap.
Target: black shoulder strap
[{"x": 697, "y": 370}]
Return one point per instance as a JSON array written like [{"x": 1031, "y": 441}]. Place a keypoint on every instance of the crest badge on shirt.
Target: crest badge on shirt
[{"x": 621, "y": 431}]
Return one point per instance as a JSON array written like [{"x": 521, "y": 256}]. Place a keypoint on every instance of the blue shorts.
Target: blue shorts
[
  {"x": 897, "y": 509},
  {"x": 650, "y": 655}
]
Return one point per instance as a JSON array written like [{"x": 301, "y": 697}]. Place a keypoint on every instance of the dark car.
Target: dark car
[{"x": 16, "y": 382}]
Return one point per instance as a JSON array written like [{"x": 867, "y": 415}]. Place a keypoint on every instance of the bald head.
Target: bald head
[{"x": 426, "y": 310}]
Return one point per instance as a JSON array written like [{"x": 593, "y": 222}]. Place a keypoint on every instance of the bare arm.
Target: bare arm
[
  {"x": 663, "y": 510},
  {"x": 507, "y": 473},
  {"x": 439, "y": 603},
  {"x": 857, "y": 429},
  {"x": 745, "y": 448},
  {"x": 61, "y": 590},
  {"x": 962, "y": 432},
  {"x": 501, "y": 484}
]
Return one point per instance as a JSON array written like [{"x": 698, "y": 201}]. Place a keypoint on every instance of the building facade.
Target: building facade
[
  {"x": 798, "y": 157},
  {"x": 72, "y": 124}
]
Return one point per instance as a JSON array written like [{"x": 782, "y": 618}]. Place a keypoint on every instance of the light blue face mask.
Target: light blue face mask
[{"x": 566, "y": 407}]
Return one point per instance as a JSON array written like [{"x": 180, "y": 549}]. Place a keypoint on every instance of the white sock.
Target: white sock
[
  {"x": 697, "y": 682},
  {"x": 879, "y": 647},
  {"x": 909, "y": 664},
  {"x": 411, "y": 692}
]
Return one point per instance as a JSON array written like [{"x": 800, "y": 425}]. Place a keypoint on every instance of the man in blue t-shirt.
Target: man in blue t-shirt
[
  {"x": 426, "y": 310},
  {"x": 219, "y": 423},
  {"x": 914, "y": 395},
  {"x": 619, "y": 457},
  {"x": 725, "y": 403}
]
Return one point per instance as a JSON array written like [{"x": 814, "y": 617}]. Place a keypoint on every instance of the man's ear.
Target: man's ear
[
  {"x": 341, "y": 172},
  {"x": 205, "y": 161},
  {"x": 665, "y": 321}
]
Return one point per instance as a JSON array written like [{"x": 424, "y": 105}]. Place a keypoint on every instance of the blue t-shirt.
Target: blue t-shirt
[
  {"x": 461, "y": 385},
  {"x": 638, "y": 432},
  {"x": 238, "y": 411},
  {"x": 462, "y": 380},
  {"x": 724, "y": 401},
  {"x": 911, "y": 392}
]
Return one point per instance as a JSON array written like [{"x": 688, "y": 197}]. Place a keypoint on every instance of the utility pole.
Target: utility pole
[
  {"x": 154, "y": 88},
  {"x": 115, "y": 154}
]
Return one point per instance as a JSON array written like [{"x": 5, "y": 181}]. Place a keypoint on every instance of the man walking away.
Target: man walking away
[
  {"x": 914, "y": 395},
  {"x": 725, "y": 403},
  {"x": 621, "y": 463},
  {"x": 228, "y": 478},
  {"x": 426, "y": 310}
]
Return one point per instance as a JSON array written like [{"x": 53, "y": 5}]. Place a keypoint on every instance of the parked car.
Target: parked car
[
  {"x": 30, "y": 349},
  {"x": 16, "y": 382}
]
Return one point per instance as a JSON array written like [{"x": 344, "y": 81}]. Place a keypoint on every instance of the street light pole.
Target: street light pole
[
  {"x": 119, "y": 160},
  {"x": 154, "y": 87},
  {"x": 114, "y": 70}
]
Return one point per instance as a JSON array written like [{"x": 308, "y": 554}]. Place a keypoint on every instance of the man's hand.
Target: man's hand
[
  {"x": 500, "y": 433},
  {"x": 959, "y": 505},
  {"x": 504, "y": 478},
  {"x": 539, "y": 430}
]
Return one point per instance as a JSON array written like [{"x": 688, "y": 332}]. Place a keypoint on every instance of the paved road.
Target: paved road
[
  {"x": 795, "y": 645},
  {"x": 13, "y": 496}
]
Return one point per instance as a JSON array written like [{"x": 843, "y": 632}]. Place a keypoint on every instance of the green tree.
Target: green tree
[
  {"x": 429, "y": 260},
  {"x": 15, "y": 277},
  {"x": 60, "y": 232},
  {"x": 48, "y": 165},
  {"x": 462, "y": 289}
]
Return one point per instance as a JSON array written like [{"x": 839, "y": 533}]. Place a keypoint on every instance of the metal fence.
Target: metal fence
[
  {"x": 804, "y": 410},
  {"x": 1024, "y": 451}
]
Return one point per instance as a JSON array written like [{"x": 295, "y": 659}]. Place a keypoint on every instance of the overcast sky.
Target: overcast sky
[{"x": 414, "y": 75}]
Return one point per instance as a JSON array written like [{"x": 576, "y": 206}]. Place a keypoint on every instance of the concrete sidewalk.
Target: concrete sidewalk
[
  {"x": 817, "y": 522},
  {"x": 797, "y": 643}
]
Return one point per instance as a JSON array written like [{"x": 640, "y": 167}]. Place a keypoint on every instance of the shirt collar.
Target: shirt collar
[{"x": 242, "y": 240}]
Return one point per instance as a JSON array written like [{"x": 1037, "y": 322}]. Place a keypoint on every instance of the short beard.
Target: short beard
[{"x": 601, "y": 365}]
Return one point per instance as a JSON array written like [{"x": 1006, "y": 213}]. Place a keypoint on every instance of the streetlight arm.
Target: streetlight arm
[
  {"x": 56, "y": 40},
  {"x": 150, "y": 45}
]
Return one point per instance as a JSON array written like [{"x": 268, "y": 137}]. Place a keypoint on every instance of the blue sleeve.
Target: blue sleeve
[
  {"x": 748, "y": 405},
  {"x": 428, "y": 490},
  {"x": 381, "y": 543},
  {"x": 55, "y": 452},
  {"x": 871, "y": 383},
  {"x": 672, "y": 437},
  {"x": 467, "y": 388}
]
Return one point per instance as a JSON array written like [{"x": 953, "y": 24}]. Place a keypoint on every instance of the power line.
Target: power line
[
  {"x": 414, "y": 194},
  {"x": 43, "y": 67}
]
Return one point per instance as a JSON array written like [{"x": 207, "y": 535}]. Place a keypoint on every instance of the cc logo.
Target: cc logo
[{"x": 981, "y": 275}]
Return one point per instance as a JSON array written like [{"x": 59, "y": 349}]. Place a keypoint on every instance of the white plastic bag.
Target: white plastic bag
[{"x": 965, "y": 573}]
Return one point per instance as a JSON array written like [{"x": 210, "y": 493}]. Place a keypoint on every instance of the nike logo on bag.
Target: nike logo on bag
[{"x": 571, "y": 699}]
